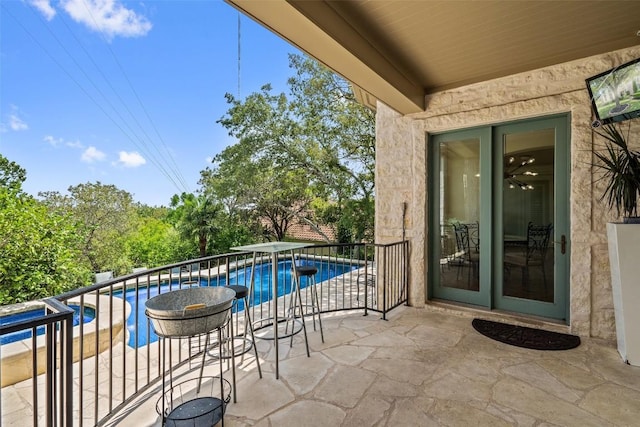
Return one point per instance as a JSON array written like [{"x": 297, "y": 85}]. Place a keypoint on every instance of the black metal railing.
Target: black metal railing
[
  {"x": 55, "y": 361},
  {"x": 116, "y": 357}
]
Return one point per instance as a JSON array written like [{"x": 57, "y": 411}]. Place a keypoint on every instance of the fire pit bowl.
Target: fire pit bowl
[{"x": 188, "y": 312}]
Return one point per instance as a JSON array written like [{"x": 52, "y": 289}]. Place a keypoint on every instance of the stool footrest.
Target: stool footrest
[
  {"x": 281, "y": 322},
  {"x": 238, "y": 343}
]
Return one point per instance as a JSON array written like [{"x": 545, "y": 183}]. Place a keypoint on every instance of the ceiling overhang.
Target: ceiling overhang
[
  {"x": 400, "y": 51},
  {"x": 285, "y": 20}
]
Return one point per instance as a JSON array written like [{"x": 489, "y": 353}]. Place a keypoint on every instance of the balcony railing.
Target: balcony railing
[{"x": 84, "y": 374}]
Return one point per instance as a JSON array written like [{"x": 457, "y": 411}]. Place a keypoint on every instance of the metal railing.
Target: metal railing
[
  {"x": 55, "y": 359},
  {"x": 95, "y": 369}
]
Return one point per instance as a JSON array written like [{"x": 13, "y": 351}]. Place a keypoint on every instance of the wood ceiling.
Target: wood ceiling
[{"x": 400, "y": 51}]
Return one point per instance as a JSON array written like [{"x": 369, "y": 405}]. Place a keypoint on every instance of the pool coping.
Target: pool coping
[{"x": 17, "y": 357}]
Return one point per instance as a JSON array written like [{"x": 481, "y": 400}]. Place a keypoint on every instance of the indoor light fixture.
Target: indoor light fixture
[{"x": 513, "y": 172}]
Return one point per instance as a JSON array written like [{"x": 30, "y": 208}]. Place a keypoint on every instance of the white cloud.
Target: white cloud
[
  {"x": 44, "y": 7},
  {"x": 74, "y": 144},
  {"x": 57, "y": 142},
  {"x": 16, "y": 123},
  {"x": 52, "y": 141},
  {"x": 92, "y": 154},
  {"x": 108, "y": 17},
  {"x": 130, "y": 160}
]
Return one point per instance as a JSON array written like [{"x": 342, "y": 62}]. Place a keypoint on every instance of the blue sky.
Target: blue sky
[{"x": 125, "y": 93}]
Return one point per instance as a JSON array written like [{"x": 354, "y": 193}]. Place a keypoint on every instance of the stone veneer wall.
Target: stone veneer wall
[{"x": 401, "y": 172}]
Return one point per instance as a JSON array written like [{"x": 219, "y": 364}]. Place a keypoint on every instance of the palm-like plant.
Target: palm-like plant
[{"x": 621, "y": 171}]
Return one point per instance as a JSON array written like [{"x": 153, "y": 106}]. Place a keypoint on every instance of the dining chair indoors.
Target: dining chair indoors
[
  {"x": 468, "y": 245},
  {"x": 534, "y": 254}
]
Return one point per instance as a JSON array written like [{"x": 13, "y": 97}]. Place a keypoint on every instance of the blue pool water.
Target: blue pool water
[
  {"x": 263, "y": 291},
  {"x": 87, "y": 316}
]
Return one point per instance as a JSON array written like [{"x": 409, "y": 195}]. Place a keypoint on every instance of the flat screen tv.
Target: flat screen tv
[{"x": 615, "y": 94}]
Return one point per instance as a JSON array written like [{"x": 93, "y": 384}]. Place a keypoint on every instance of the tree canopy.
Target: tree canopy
[
  {"x": 310, "y": 156},
  {"x": 103, "y": 215},
  {"x": 39, "y": 251},
  {"x": 12, "y": 175}
]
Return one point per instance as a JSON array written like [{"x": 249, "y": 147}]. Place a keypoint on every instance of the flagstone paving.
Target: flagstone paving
[{"x": 422, "y": 367}]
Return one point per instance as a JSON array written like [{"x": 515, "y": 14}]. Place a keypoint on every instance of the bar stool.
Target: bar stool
[
  {"x": 242, "y": 293},
  {"x": 309, "y": 272}
]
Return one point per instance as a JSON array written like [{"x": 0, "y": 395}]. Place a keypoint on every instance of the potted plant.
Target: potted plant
[
  {"x": 620, "y": 168},
  {"x": 621, "y": 171}
]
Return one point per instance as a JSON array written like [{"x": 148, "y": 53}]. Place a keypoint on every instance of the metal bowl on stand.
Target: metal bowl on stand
[
  {"x": 189, "y": 312},
  {"x": 186, "y": 313}
]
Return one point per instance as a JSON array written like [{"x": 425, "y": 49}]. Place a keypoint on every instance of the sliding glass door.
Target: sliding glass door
[
  {"x": 459, "y": 248},
  {"x": 499, "y": 217},
  {"x": 532, "y": 203}
]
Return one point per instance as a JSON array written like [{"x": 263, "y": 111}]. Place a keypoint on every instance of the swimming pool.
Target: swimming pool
[
  {"x": 88, "y": 315},
  {"x": 263, "y": 291}
]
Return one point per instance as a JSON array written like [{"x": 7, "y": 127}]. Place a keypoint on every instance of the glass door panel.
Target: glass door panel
[
  {"x": 459, "y": 215},
  {"x": 460, "y": 222},
  {"x": 531, "y": 207},
  {"x": 527, "y": 215}
]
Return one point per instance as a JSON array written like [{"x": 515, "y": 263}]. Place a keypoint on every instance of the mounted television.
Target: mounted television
[{"x": 615, "y": 94}]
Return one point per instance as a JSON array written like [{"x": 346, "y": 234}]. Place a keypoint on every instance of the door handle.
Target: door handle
[{"x": 563, "y": 244}]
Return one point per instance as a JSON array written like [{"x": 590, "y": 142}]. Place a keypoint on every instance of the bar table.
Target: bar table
[{"x": 274, "y": 248}]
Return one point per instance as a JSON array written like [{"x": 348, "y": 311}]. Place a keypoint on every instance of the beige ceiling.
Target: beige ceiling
[{"x": 400, "y": 51}]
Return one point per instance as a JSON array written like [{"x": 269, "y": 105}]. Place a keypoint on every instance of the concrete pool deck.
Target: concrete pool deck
[
  {"x": 421, "y": 367},
  {"x": 16, "y": 357}
]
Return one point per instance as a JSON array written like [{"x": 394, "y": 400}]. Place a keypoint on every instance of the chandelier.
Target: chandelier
[{"x": 515, "y": 171}]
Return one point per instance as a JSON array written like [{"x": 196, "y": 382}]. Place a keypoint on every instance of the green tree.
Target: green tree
[
  {"x": 104, "y": 217},
  {"x": 321, "y": 134},
  {"x": 153, "y": 241},
  {"x": 337, "y": 145},
  {"x": 254, "y": 186},
  {"x": 12, "y": 175},
  {"x": 39, "y": 251},
  {"x": 197, "y": 219}
]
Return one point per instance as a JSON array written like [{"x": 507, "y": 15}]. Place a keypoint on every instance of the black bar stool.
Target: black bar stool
[
  {"x": 309, "y": 272},
  {"x": 242, "y": 293}
]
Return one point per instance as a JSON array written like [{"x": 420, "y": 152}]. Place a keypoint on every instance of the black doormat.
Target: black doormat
[{"x": 522, "y": 336}]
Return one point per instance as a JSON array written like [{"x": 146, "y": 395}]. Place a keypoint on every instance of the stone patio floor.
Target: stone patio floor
[{"x": 421, "y": 367}]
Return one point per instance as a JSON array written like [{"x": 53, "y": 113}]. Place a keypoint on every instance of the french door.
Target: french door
[{"x": 498, "y": 216}]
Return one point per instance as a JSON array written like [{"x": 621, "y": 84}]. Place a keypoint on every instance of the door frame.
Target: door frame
[{"x": 491, "y": 274}]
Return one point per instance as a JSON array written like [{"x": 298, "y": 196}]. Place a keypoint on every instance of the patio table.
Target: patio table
[{"x": 274, "y": 248}]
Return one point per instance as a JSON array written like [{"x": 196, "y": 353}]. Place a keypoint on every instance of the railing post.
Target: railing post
[
  {"x": 366, "y": 265},
  {"x": 49, "y": 375},
  {"x": 384, "y": 282},
  {"x": 405, "y": 274},
  {"x": 59, "y": 405},
  {"x": 67, "y": 373}
]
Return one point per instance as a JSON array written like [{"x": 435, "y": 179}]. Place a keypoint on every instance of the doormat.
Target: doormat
[{"x": 521, "y": 336}]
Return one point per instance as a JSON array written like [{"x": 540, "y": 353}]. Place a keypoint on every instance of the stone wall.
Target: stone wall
[{"x": 401, "y": 172}]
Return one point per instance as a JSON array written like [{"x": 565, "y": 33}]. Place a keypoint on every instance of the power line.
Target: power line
[
  {"x": 158, "y": 163},
  {"x": 175, "y": 168},
  {"x": 181, "y": 184}
]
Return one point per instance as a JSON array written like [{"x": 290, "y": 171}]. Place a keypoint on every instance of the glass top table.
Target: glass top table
[
  {"x": 271, "y": 247},
  {"x": 274, "y": 248}
]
